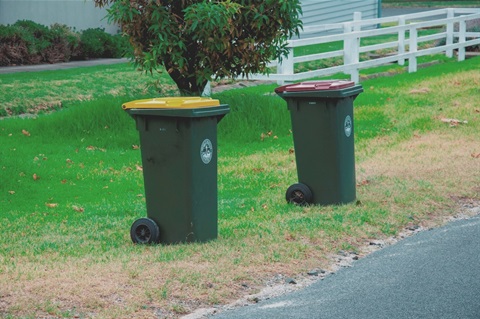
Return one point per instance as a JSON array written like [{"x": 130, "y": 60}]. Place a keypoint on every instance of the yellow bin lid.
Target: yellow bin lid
[{"x": 172, "y": 103}]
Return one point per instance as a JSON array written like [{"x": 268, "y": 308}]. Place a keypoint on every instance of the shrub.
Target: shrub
[
  {"x": 27, "y": 42},
  {"x": 37, "y": 38},
  {"x": 96, "y": 43},
  {"x": 92, "y": 42},
  {"x": 13, "y": 47},
  {"x": 64, "y": 44}
]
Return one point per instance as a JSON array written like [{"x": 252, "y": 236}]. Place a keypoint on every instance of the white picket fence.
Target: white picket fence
[{"x": 406, "y": 46}]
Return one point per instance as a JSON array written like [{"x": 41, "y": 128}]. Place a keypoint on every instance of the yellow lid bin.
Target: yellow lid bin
[
  {"x": 178, "y": 137},
  {"x": 172, "y": 103}
]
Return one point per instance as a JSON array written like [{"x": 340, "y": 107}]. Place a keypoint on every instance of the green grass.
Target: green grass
[
  {"x": 33, "y": 92},
  {"x": 71, "y": 186}
]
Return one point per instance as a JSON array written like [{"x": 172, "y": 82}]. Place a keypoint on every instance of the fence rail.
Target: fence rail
[{"x": 406, "y": 46}]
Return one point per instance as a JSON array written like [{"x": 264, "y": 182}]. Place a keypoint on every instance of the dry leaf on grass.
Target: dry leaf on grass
[
  {"x": 78, "y": 209},
  {"x": 26, "y": 133},
  {"x": 364, "y": 182}
]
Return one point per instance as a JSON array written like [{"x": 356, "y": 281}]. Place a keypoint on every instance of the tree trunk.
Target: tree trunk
[{"x": 187, "y": 86}]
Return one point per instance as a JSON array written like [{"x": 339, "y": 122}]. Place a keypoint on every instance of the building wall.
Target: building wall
[
  {"x": 82, "y": 14},
  {"x": 317, "y": 12},
  {"x": 79, "y": 14}
]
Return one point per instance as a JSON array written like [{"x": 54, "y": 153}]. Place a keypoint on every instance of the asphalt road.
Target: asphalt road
[
  {"x": 434, "y": 274},
  {"x": 59, "y": 66}
]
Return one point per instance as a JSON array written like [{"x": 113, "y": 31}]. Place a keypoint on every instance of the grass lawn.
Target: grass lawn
[{"x": 71, "y": 186}]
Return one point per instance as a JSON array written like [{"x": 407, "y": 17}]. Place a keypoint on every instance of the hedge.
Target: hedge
[{"x": 27, "y": 42}]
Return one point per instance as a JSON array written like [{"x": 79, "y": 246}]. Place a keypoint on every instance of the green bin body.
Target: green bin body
[
  {"x": 179, "y": 158},
  {"x": 323, "y": 134}
]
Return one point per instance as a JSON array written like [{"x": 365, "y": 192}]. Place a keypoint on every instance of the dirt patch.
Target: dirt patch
[{"x": 440, "y": 159}]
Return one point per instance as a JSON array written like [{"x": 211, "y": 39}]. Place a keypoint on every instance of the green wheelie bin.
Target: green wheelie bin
[
  {"x": 178, "y": 141},
  {"x": 323, "y": 136}
]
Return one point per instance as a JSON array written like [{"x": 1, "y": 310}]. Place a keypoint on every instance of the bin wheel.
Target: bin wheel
[
  {"x": 145, "y": 231},
  {"x": 299, "y": 194}
]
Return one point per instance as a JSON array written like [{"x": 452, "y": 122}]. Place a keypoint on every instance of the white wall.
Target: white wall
[
  {"x": 316, "y": 12},
  {"x": 83, "y": 14},
  {"x": 79, "y": 14}
]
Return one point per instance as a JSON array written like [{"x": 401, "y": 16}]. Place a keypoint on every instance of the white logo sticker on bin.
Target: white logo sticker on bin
[
  {"x": 206, "y": 151},
  {"x": 348, "y": 125}
]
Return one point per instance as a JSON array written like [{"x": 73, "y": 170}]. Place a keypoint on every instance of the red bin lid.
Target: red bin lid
[{"x": 315, "y": 86}]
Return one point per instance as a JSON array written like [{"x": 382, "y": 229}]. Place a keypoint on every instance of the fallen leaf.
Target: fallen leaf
[
  {"x": 291, "y": 151},
  {"x": 138, "y": 167},
  {"x": 26, "y": 133},
  {"x": 35, "y": 177},
  {"x": 51, "y": 205},
  {"x": 64, "y": 181},
  {"x": 135, "y": 147},
  {"x": 363, "y": 183},
  {"x": 11, "y": 192},
  {"x": 78, "y": 209},
  {"x": 91, "y": 148}
]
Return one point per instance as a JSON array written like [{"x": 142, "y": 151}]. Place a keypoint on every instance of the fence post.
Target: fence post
[
  {"x": 207, "y": 91},
  {"x": 286, "y": 67},
  {"x": 412, "y": 60},
  {"x": 450, "y": 30},
  {"x": 350, "y": 53},
  {"x": 461, "y": 40},
  {"x": 401, "y": 40},
  {"x": 357, "y": 17}
]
